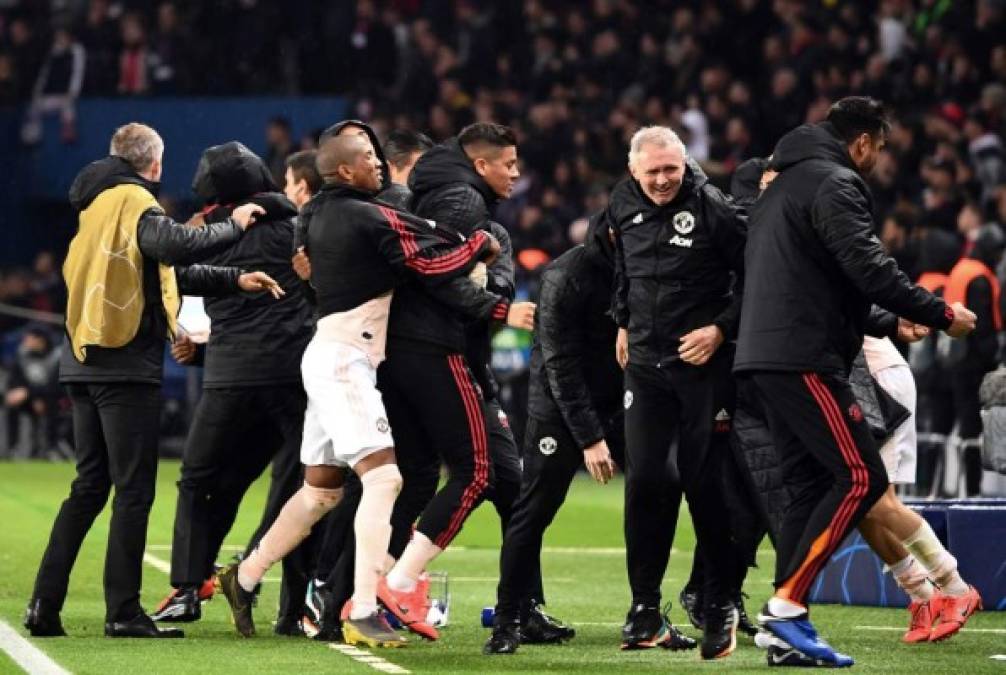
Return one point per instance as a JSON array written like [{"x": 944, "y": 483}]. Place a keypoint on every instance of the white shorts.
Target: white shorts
[
  {"x": 345, "y": 419},
  {"x": 899, "y": 451}
]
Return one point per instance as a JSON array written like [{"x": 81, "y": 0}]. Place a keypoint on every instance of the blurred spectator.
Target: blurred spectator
[
  {"x": 100, "y": 36},
  {"x": 33, "y": 391},
  {"x": 168, "y": 41},
  {"x": 57, "y": 87},
  {"x": 279, "y": 146},
  {"x": 134, "y": 64}
]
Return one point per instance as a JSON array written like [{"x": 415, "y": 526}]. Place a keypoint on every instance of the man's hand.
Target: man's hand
[
  {"x": 911, "y": 332},
  {"x": 255, "y": 282},
  {"x": 598, "y": 461},
  {"x": 480, "y": 274},
  {"x": 521, "y": 315},
  {"x": 183, "y": 350},
  {"x": 244, "y": 215},
  {"x": 493, "y": 252},
  {"x": 964, "y": 321},
  {"x": 622, "y": 347},
  {"x": 301, "y": 264},
  {"x": 699, "y": 346},
  {"x": 16, "y": 396},
  {"x": 197, "y": 219}
]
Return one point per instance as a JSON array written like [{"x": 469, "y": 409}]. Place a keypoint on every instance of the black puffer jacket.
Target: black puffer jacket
[
  {"x": 161, "y": 240},
  {"x": 675, "y": 265},
  {"x": 575, "y": 378},
  {"x": 814, "y": 266},
  {"x": 443, "y": 185},
  {"x": 255, "y": 339}
]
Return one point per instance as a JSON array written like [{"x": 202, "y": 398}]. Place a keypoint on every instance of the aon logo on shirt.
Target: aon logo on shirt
[{"x": 678, "y": 240}]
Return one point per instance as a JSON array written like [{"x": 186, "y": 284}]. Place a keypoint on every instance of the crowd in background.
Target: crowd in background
[{"x": 574, "y": 78}]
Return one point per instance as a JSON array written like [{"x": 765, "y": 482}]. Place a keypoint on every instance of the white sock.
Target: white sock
[
  {"x": 292, "y": 525},
  {"x": 941, "y": 566},
  {"x": 912, "y": 578},
  {"x": 372, "y": 526},
  {"x": 416, "y": 556},
  {"x": 785, "y": 609}
]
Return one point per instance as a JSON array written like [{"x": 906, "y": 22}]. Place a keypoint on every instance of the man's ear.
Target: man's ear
[
  {"x": 345, "y": 173},
  {"x": 481, "y": 166}
]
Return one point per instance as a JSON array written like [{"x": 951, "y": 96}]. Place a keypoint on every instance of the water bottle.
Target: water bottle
[{"x": 488, "y": 614}]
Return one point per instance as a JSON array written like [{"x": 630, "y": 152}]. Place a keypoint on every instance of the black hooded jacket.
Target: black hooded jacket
[
  {"x": 255, "y": 339},
  {"x": 575, "y": 378},
  {"x": 678, "y": 267},
  {"x": 443, "y": 191},
  {"x": 161, "y": 240},
  {"x": 814, "y": 265}
]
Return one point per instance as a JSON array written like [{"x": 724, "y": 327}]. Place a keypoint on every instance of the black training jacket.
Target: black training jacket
[
  {"x": 161, "y": 240},
  {"x": 575, "y": 378},
  {"x": 678, "y": 267},
  {"x": 814, "y": 265},
  {"x": 361, "y": 248},
  {"x": 255, "y": 339},
  {"x": 447, "y": 190}
]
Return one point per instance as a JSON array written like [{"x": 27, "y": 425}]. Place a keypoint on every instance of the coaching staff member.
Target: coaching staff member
[
  {"x": 123, "y": 297},
  {"x": 679, "y": 246},
  {"x": 814, "y": 267},
  {"x": 574, "y": 413}
]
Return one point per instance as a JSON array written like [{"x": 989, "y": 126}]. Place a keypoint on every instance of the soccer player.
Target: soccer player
[
  {"x": 444, "y": 416},
  {"x": 575, "y": 416},
  {"x": 813, "y": 269},
  {"x": 359, "y": 248},
  {"x": 123, "y": 297},
  {"x": 679, "y": 268}
]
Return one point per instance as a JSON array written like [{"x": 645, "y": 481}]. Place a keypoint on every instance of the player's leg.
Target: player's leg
[
  {"x": 444, "y": 393},
  {"x": 822, "y": 415},
  {"x": 551, "y": 459}
]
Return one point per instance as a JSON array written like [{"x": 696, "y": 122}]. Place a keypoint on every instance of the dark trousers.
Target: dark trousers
[
  {"x": 235, "y": 433},
  {"x": 674, "y": 445},
  {"x": 551, "y": 459},
  {"x": 115, "y": 437},
  {"x": 437, "y": 414},
  {"x": 831, "y": 467}
]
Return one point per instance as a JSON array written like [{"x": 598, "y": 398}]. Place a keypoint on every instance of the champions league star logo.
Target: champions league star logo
[{"x": 684, "y": 222}]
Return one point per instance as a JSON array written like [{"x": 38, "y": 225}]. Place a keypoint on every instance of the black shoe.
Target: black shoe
[
  {"x": 691, "y": 601},
  {"x": 645, "y": 627},
  {"x": 539, "y": 628},
  {"x": 289, "y": 626},
  {"x": 180, "y": 606},
  {"x": 321, "y": 614},
  {"x": 504, "y": 640},
  {"x": 42, "y": 619},
  {"x": 719, "y": 638},
  {"x": 744, "y": 623},
  {"x": 240, "y": 600},
  {"x": 142, "y": 626}
]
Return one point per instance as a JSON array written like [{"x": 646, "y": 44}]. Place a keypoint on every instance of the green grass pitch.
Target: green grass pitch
[{"x": 584, "y": 580}]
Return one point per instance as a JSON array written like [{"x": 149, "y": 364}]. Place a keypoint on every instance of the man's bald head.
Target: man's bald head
[{"x": 350, "y": 159}]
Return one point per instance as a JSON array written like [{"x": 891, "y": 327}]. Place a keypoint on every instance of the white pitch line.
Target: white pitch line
[
  {"x": 164, "y": 566},
  {"x": 366, "y": 658},
  {"x": 27, "y": 655},
  {"x": 997, "y": 631}
]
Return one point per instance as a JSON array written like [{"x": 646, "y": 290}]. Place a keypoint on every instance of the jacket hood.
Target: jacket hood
[
  {"x": 276, "y": 205},
  {"x": 597, "y": 243},
  {"x": 445, "y": 164},
  {"x": 745, "y": 184},
  {"x": 336, "y": 128},
  {"x": 989, "y": 245},
  {"x": 229, "y": 173},
  {"x": 101, "y": 175},
  {"x": 939, "y": 251},
  {"x": 811, "y": 141}
]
